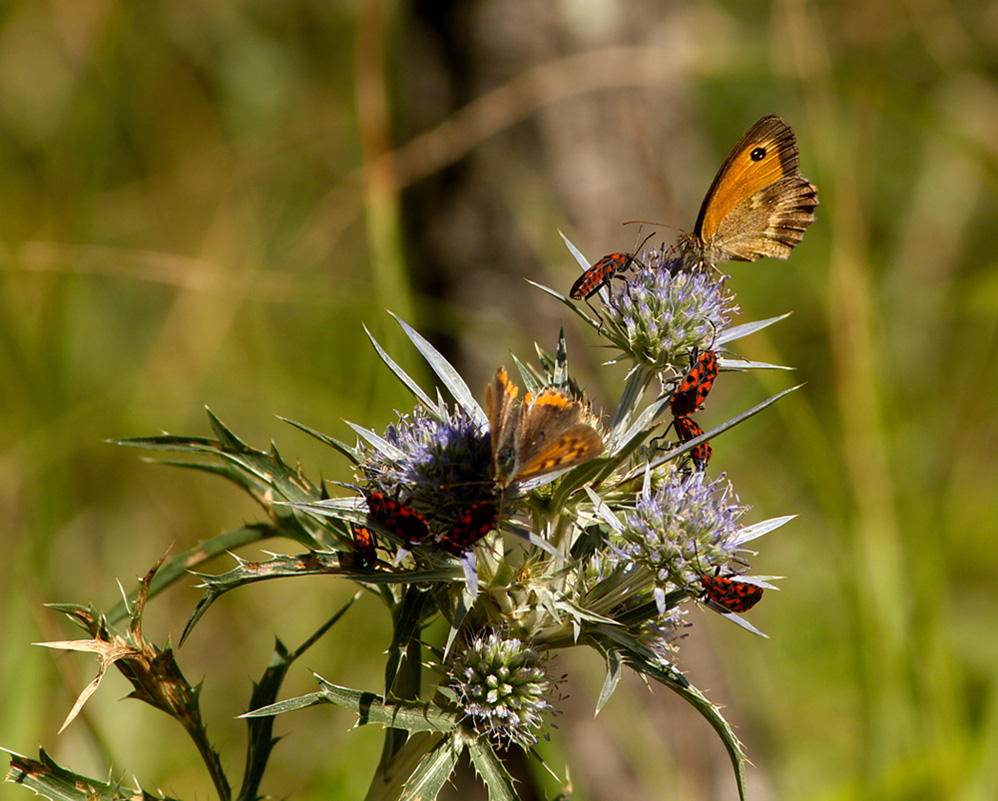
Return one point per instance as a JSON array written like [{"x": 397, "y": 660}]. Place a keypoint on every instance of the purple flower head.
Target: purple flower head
[
  {"x": 658, "y": 317},
  {"x": 682, "y": 530},
  {"x": 440, "y": 467}
]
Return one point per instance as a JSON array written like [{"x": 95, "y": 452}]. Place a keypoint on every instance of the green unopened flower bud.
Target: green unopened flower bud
[{"x": 503, "y": 687}]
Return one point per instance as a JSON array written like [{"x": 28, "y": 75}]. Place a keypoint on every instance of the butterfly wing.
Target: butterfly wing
[
  {"x": 770, "y": 222},
  {"x": 741, "y": 175},
  {"x": 504, "y": 417},
  {"x": 758, "y": 204},
  {"x": 576, "y": 445},
  {"x": 551, "y": 437}
]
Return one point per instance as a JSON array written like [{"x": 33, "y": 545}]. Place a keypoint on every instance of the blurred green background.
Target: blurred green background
[{"x": 202, "y": 202}]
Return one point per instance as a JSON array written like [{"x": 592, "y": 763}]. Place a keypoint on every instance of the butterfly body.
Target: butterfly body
[{"x": 758, "y": 205}]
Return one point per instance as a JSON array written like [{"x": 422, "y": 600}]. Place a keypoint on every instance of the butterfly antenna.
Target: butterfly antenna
[{"x": 649, "y": 222}]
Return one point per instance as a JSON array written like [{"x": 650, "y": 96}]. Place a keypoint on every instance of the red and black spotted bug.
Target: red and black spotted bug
[
  {"x": 400, "y": 519},
  {"x": 477, "y": 521},
  {"x": 695, "y": 386},
  {"x": 729, "y": 593},
  {"x": 688, "y": 429},
  {"x": 599, "y": 275},
  {"x": 363, "y": 543}
]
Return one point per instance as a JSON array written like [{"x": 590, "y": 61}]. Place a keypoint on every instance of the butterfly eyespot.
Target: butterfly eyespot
[{"x": 758, "y": 154}]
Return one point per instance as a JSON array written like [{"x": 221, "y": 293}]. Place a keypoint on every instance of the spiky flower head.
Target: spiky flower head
[
  {"x": 438, "y": 466},
  {"x": 682, "y": 530},
  {"x": 659, "y": 317},
  {"x": 662, "y": 634},
  {"x": 503, "y": 686}
]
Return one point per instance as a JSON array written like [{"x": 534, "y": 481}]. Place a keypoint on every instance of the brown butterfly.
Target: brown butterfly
[
  {"x": 759, "y": 204},
  {"x": 538, "y": 435}
]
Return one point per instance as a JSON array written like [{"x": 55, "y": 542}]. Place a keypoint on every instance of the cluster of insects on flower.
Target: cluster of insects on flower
[
  {"x": 758, "y": 205},
  {"x": 570, "y": 528},
  {"x": 529, "y": 525}
]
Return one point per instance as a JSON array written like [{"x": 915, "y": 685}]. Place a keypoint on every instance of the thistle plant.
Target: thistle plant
[{"x": 530, "y": 525}]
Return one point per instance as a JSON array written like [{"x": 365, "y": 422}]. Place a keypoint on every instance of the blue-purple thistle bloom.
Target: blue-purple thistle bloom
[
  {"x": 681, "y": 531},
  {"x": 503, "y": 686},
  {"x": 658, "y": 318},
  {"x": 439, "y": 467}
]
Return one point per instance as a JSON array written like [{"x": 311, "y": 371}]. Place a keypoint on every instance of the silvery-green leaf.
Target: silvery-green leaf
[
  {"x": 412, "y": 716},
  {"x": 739, "y": 331},
  {"x": 634, "y": 389},
  {"x": 614, "y": 670},
  {"x": 533, "y": 539},
  {"x": 433, "y": 771},
  {"x": 756, "y": 530},
  {"x": 561, "y": 361},
  {"x": 383, "y": 446},
  {"x": 688, "y": 446},
  {"x": 491, "y": 770},
  {"x": 260, "y": 730},
  {"x": 464, "y": 604},
  {"x": 643, "y": 421},
  {"x": 446, "y": 373},
  {"x": 413, "y": 387},
  {"x": 50, "y": 780},
  {"x": 527, "y": 378},
  {"x": 604, "y": 511},
  {"x": 408, "y": 623},
  {"x": 582, "y": 260},
  {"x": 739, "y": 621},
  {"x": 354, "y": 454},
  {"x": 567, "y": 302},
  {"x": 677, "y": 682},
  {"x": 745, "y": 364}
]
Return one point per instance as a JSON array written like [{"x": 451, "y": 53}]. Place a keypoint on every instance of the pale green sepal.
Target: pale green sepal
[
  {"x": 370, "y": 709},
  {"x": 756, "y": 530},
  {"x": 433, "y": 771}
]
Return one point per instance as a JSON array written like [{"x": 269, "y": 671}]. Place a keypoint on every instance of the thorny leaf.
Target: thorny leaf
[{"x": 109, "y": 653}]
